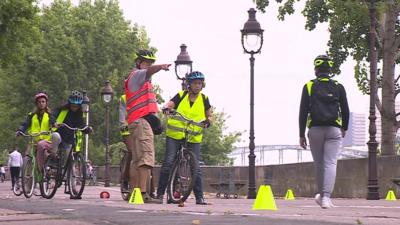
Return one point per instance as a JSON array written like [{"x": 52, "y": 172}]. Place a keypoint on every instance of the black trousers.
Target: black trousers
[{"x": 14, "y": 171}]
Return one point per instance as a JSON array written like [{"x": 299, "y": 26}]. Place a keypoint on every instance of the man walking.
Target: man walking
[{"x": 14, "y": 163}]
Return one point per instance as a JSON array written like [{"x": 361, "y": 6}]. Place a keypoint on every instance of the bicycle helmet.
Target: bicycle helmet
[
  {"x": 75, "y": 98},
  {"x": 146, "y": 55},
  {"x": 195, "y": 75},
  {"x": 41, "y": 95},
  {"x": 323, "y": 61}
]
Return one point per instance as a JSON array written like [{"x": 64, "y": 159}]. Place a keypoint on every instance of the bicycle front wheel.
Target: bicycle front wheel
[
  {"x": 182, "y": 178},
  {"x": 76, "y": 176},
  {"x": 48, "y": 186},
  {"x": 28, "y": 177}
]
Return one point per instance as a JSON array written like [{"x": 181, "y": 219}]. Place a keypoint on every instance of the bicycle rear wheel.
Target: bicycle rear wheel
[
  {"x": 17, "y": 187},
  {"x": 28, "y": 178},
  {"x": 124, "y": 193},
  {"x": 182, "y": 178},
  {"x": 49, "y": 185},
  {"x": 76, "y": 176}
]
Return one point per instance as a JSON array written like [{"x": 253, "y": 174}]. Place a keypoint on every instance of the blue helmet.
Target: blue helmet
[
  {"x": 75, "y": 98},
  {"x": 195, "y": 75}
]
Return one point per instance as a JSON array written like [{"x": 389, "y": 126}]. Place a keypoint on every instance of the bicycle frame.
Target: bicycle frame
[
  {"x": 72, "y": 152},
  {"x": 31, "y": 150},
  {"x": 183, "y": 171}
]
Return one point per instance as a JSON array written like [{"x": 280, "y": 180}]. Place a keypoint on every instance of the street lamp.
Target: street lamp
[
  {"x": 107, "y": 95},
  {"x": 252, "y": 41},
  {"x": 373, "y": 187},
  {"x": 183, "y": 65},
  {"x": 85, "y": 109}
]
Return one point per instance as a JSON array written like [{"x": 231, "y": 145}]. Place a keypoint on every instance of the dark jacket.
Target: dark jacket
[{"x": 73, "y": 119}]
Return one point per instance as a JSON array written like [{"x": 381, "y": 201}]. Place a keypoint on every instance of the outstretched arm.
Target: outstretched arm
[{"x": 155, "y": 68}]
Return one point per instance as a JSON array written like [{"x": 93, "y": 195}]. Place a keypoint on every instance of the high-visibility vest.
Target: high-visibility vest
[
  {"x": 196, "y": 112},
  {"x": 37, "y": 127},
  {"x": 122, "y": 100},
  {"x": 141, "y": 102},
  {"x": 79, "y": 137}
]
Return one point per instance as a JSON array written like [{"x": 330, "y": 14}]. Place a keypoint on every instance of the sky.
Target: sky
[{"x": 211, "y": 31}]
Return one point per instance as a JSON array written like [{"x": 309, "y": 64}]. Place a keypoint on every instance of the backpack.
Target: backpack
[{"x": 324, "y": 101}]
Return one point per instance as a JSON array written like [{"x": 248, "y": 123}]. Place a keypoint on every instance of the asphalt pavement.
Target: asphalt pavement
[{"x": 91, "y": 209}]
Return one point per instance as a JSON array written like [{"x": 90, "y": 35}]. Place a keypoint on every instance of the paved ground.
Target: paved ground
[{"x": 93, "y": 210}]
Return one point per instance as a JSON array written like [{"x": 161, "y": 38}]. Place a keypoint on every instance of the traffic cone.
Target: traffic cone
[
  {"x": 391, "y": 196},
  {"x": 265, "y": 199},
  {"x": 136, "y": 197},
  {"x": 289, "y": 195}
]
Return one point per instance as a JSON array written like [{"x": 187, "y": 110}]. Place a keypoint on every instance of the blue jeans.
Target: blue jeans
[{"x": 173, "y": 146}]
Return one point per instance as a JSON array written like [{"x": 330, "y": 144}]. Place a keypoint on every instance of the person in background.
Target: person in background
[
  {"x": 15, "y": 162},
  {"x": 2, "y": 173}
]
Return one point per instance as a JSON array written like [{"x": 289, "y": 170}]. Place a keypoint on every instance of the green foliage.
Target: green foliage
[
  {"x": 79, "y": 47},
  {"x": 18, "y": 29},
  {"x": 63, "y": 47}
]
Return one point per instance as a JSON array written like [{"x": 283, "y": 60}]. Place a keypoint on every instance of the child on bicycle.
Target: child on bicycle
[
  {"x": 194, "y": 105},
  {"x": 71, "y": 114},
  {"x": 40, "y": 120}
]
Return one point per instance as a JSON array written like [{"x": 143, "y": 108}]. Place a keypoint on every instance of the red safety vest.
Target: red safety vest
[{"x": 141, "y": 102}]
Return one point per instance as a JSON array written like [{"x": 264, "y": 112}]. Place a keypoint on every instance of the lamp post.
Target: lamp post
[
  {"x": 183, "y": 65},
  {"x": 252, "y": 41},
  {"x": 373, "y": 187},
  {"x": 85, "y": 109},
  {"x": 107, "y": 95}
]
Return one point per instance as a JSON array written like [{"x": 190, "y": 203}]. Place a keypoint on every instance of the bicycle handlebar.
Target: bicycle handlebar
[
  {"x": 33, "y": 134},
  {"x": 74, "y": 128},
  {"x": 189, "y": 121}
]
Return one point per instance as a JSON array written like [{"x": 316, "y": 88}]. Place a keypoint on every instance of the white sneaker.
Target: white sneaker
[
  {"x": 324, "y": 202},
  {"x": 318, "y": 199}
]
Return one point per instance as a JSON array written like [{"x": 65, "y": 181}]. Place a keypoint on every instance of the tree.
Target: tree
[
  {"x": 349, "y": 31},
  {"x": 17, "y": 29},
  {"x": 77, "y": 47}
]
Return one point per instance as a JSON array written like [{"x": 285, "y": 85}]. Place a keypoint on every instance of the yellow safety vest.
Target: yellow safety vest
[
  {"x": 37, "y": 127},
  {"x": 176, "y": 125},
  {"x": 60, "y": 119},
  {"x": 124, "y": 132}
]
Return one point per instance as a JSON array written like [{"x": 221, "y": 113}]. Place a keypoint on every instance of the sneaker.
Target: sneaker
[
  {"x": 201, "y": 201},
  {"x": 326, "y": 203},
  {"x": 318, "y": 199}
]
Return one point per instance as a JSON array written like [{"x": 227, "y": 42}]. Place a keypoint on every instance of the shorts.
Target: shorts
[{"x": 142, "y": 137}]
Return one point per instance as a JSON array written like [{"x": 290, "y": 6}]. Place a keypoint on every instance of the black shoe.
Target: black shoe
[
  {"x": 125, "y": 187},
  {"x": 148, "y": 199},
  {"x": 201, "y": 201}
]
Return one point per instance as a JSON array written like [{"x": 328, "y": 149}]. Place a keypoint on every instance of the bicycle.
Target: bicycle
[
  {"x": 17, "y": 189},
  {"x": 72, "y": 172},
  {"x": 31, "y": 174},
  {"x": 184, "y": 168},
  {"x": 125, "y": 194},
  {"x": 124, "y": 184}
]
